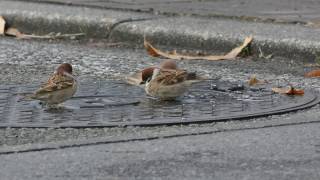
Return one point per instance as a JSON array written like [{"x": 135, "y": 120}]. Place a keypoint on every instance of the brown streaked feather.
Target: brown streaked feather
[
  {"x": 168, "y": 64},
  {"x": 168, "y": 84},
  {"x": 170, "y": 77},
  {"x": 56, "y": 82}
]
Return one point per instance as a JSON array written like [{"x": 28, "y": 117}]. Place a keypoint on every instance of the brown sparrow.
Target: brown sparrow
[
  {"x": 60, "y": 87},
  {"x": 166, "y": 64},
  {"x": 165, "y": 83}
]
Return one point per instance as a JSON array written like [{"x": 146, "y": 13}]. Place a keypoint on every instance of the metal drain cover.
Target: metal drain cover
[{"x": 112, "y": 103}]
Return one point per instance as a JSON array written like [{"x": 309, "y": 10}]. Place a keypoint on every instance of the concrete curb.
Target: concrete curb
[
  {"x": 42, "y": 19},
  {"x": 291, "y": 41}
]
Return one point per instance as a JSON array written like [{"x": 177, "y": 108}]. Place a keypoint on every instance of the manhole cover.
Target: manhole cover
[{"x": 112, "y": 103}]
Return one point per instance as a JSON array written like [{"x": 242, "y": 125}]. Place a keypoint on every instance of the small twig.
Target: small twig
[{"x": 262, "y": 55}]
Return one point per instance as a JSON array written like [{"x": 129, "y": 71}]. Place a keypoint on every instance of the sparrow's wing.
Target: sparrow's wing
[
  {"x": 171, "y": 77},
  {"x": 55, "y": 83}
]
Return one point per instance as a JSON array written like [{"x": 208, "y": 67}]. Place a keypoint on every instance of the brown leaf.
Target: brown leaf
[
  {"x": 289, "y": 91},
  {"x": 231, "y": 55},
  {"x": 314, "y": 23},
  {"x": 2, "y": 25},
  {"x": 314, "y": 73},
  {"x": 53, "y": 36},
  {"x": 14, "y": 32},
  {"x": 151, "y": 50},
  {"x": 134, "y": 79},
  {"x": 254, "y": 81}
]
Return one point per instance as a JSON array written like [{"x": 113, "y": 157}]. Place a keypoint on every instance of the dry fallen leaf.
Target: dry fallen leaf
[
  {"x": 54, "y": 36},
  {"x": 314, "y": 23},
  {"x": 150, "y": 49},
  {"x": 289, "y": 91},
  {"x": 2, "y": 25},
  {"x": 254, "y": 81},
  {"x": 15, "y": 32},
  {"x": 231, "y": 55},
  {"x": 11, "y": 31},
  {"x": 314, "y": 73},
  {"x": 134, "y": 79}
]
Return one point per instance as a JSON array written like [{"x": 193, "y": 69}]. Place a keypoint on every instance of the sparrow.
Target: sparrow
[
  {"x": 168, "y": 64},
  {"x": 165, "y": 82},
  {"x": 60, "y": 87},
  {"x": 165, "y": 65}
]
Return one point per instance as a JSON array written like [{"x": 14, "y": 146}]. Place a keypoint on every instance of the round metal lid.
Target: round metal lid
[{"x": 114, "y": 103}]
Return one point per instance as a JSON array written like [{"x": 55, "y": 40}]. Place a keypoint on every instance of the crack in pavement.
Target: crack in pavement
[{"x": 113, "y": 26}]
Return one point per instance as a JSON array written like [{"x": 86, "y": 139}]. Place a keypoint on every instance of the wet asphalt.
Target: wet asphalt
[
  {"x": 274, "y": 147},
  {"x": 25, "y": 61},
  {"x": 289, "y": 152}
]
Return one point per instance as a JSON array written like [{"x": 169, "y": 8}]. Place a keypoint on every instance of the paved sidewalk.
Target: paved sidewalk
[
  {"x": 278, "y": 147},
  {"x": 282, "y": 153},
  {"x": 270, "y": 10},
  {"x": 274, "y": 147}
]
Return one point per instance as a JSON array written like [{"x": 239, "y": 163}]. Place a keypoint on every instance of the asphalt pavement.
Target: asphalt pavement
[
  {"x": 276, "y": 147},
  {"x": 273, "y": 147},
  {"x": 290, "y": 152},
  {"x": 298, "y": 41},
  {"x": 297, "y": 11}
]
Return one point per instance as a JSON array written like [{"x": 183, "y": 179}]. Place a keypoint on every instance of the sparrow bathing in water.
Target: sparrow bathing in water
[
  {"x": 60, "y": 87},
  {"x": 166, "y": 82}
]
